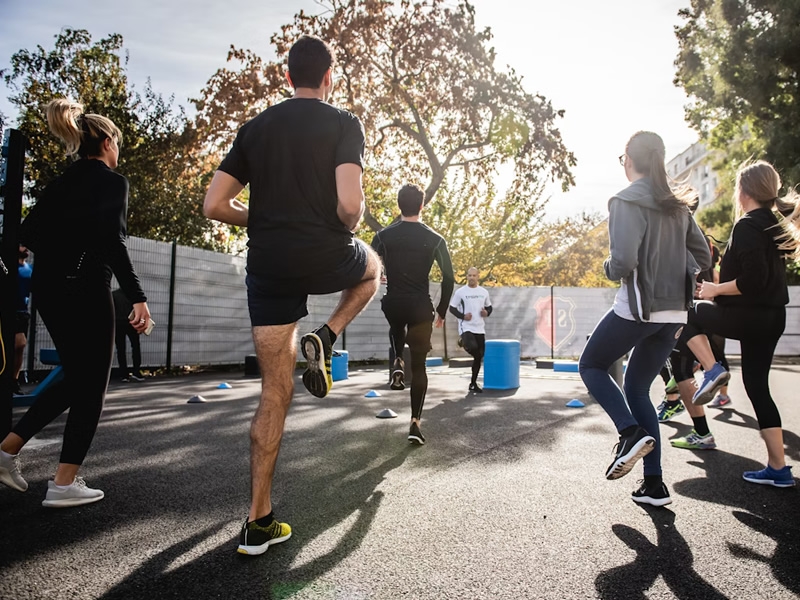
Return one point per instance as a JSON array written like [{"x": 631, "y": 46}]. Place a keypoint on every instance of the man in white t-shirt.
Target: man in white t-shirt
[{"x": 471, "y": 305}]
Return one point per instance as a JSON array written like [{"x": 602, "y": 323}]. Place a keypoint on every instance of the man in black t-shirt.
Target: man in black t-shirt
[
  {"x": 408, "y": 249},
  {"x": 303, "y": 160}
]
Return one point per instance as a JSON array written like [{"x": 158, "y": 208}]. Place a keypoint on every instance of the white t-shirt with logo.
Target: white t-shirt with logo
[{"x": 471, "y": 300}]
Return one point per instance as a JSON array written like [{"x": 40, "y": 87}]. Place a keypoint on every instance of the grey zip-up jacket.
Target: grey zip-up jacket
[{"x": 654, "y": 255}]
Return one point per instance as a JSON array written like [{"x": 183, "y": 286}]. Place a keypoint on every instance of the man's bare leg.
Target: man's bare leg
[
  {"x": 277, "y": 354},
  {"x": 355, "y": 299}
]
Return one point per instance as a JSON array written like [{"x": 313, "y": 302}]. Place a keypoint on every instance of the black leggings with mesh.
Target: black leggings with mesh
[
  {"x": 411, "y": 322},
  {"x": 80, "y": 320},
  {"x": 758, "y": 329}
]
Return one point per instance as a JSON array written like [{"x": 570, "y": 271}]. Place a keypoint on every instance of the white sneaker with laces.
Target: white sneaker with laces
[
  {"x": 75, "y": 495},
  {"x": 10, "y": 473}
]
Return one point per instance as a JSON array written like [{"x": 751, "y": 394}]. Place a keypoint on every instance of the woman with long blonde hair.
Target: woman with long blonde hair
[
  {"x": 750, "y": 303},
  {"x": 77, "y": 232}
]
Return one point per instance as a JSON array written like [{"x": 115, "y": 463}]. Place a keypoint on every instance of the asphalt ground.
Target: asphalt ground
[{"x": 506, "y": 500}]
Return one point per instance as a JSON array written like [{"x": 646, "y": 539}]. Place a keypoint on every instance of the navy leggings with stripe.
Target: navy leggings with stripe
[{"x": 611, "y": 339}]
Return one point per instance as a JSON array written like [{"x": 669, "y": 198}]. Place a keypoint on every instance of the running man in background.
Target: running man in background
[
  {"x": 408, "y": 249},
  {"x": 471, "y": 305}
]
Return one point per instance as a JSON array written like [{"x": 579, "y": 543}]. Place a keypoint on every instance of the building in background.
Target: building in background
[{"x": 693, "y": 165}]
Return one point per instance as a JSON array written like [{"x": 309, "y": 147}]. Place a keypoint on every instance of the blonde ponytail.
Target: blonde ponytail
[
  {"x": 62, "y": 118},
  {"x": 82, "y": 134},
  {"x": 760, "y": 181},
  {"x": 789, "y": 239}
]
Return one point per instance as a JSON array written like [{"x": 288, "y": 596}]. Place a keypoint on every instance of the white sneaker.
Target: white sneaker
[
  {"x": 76, "y": 494},
  {"x": 9, "y": 472}
]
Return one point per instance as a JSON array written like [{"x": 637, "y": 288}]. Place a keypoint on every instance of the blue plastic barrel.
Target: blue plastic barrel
[
  {"x": 339, "y": 365},
  {"x": 501, "y": 365}
]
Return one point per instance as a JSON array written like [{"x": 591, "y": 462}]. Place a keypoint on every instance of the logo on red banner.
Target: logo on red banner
[{"x": 555, "y": 325}]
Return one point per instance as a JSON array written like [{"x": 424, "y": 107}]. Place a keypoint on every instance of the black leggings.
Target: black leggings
[
  {"x": 81, "y": 322},
  {"x": 411, "y": 322},
  {"x": 758, "y": 330},
  {"x": 475, "y": 345}
]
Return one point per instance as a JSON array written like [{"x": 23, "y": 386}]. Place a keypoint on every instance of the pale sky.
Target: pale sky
[{"x": 609, "y": 64}]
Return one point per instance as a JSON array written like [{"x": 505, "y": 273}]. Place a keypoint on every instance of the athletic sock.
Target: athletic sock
[
  {"x": 673, "y": 403},
  {"x": 652, "y": 480},
  {"x": 331, "y": 335},
  {"x": 265, "y": 521},
  {"x": 701, "y": 425}
]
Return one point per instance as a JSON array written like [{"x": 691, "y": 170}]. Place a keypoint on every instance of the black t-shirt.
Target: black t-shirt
[
  {"x": 408, "y": 249},
  {"x": 755, "y": 262},
  {"x": 289, "y": 154}
]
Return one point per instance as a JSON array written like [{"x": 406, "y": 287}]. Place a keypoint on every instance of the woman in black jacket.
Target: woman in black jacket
[
  {"x": 750, "y": 306},
  {"x": 77, "y": 232}
]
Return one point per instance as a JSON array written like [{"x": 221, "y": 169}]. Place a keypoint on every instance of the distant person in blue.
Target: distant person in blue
[{"x": 23, "y": 316}]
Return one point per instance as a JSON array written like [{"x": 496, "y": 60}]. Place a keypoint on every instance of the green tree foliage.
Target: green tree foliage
[
  {"x": 574, "y": 251},
  {"x": 739, "y": 62},
  {"x": 166, "y": 178},
  {"x": 436, "y": 110}
]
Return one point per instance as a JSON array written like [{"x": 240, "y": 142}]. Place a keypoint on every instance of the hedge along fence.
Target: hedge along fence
[{"x": 199, "y": 303}]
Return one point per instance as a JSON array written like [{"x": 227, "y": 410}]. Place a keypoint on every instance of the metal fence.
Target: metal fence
[{"x": 199, "y": 303}]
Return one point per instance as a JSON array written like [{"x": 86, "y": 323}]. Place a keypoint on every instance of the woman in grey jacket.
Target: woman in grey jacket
[{"x": 656, "y": 248}]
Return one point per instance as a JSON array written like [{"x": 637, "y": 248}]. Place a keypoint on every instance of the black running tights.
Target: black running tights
[
  {"x": 411, "y": 322},
  {"x": 81, "y": 322},
  {"x": 758, "y": 330}
]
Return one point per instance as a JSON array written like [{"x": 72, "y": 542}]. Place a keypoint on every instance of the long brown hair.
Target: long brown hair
[
  {"x": 82, "y": 134},
  {"x": 760, "y": 181},
  {"x": 646, "y": 150}
]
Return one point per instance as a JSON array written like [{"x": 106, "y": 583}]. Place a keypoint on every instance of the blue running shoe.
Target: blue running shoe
[
  {"x": 778, "y": 477},
  {"x": 713, "y": 379}
]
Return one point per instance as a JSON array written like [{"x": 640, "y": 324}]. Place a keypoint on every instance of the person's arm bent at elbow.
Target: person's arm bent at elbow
[
  {"x": 221, "y": 204},
  {"x": 350, "y": 208}
]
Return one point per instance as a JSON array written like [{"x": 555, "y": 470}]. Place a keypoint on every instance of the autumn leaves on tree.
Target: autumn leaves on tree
[{"x": 422, "y": 78}]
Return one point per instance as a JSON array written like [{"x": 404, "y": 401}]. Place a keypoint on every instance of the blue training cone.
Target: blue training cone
[
  {"x": 575, "y": 403},
  {"x": 372, "y": 394},
  {"x": 224, "y": 386}
]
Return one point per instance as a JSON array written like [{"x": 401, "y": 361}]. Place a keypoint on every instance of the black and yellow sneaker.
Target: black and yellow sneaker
[
  {"x": 255, "y": 539},
  {"x": 318, "y": 352},
  {"x": 398, "y": 375}
]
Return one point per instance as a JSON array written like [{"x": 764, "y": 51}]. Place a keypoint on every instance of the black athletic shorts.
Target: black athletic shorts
[
  {"x": 280, "y": 301},
  {"x": 22, "y": 322}
]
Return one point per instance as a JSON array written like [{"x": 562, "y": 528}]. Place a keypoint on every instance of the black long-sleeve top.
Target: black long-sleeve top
[
  {"x": 77, "y": 230},
  {"x": 408, "y": 249},
  {"x": 755, "y": 262}
]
